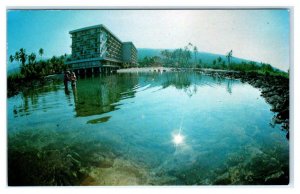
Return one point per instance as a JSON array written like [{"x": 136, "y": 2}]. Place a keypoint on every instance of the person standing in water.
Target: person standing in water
[
  {"x": 73, "y": 79},
  {"x": 66, "y": 78}
]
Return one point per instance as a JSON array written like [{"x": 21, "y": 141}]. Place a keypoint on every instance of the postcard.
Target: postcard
[{"x": 162, "y": 97}]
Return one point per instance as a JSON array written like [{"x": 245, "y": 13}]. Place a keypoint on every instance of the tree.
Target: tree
[
  {"x": 11, "y": 58},
  {"x": 214, "y": 62},
  {"x": 229, "y": 56},
  {"x": 31, "y": 58},
  {"x": 41, "y": 52},
  {"x": 178, "y": 56},
  {"x": 266, "y": 67},
  {"x": 166, "y": 55},
  {"x": 22, "y": 56},
  {"x": 187, "y": 53},
  {"x": 195, "y": 53},
  {"x": 31, "y": 68},
  {"x": 17, "y": 56},
  {"x": 55, "y": 64},
  {"x": 155, "y": 61},
  {"x": 223, "y": 64}
]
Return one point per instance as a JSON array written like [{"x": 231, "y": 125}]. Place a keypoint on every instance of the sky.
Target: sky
[{"x": 258, "y": 35}]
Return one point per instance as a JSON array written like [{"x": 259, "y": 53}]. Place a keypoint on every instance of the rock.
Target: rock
[
  {"x": 284, "y": 114},
  {"x": 276, "y": 107},
  {"x": 274, "y": 99},
  {"x": 258, "y": 83},
  {"x": 285, "y": 126},
  {"x": 277, "y": 120},
  {"x": 274, "y": 176}
]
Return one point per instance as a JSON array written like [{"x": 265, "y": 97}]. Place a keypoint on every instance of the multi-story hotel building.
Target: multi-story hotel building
[
  {"x": 129, "y": 53},
  {"x": 96, "y": 47}
]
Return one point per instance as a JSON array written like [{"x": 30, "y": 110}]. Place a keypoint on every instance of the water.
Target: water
[{"x": 145, "y": 129}]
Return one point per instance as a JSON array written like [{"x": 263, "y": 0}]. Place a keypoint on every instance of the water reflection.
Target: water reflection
[
  {"x": 99, "y": 120},
  {"x": 94, "y": 96},
  {"x": 99, "y": 95},
  {"x": 34, "y": 98},
  {"x": 185, "y": 81}
]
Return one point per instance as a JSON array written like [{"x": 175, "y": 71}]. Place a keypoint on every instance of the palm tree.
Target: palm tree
[
  {"x": 164, "y": 53},
  {"x": 187, "y": 53},
  {"x": 31, "y": 58},
  {"x": 229, "y": 56},
  {"x": 32, "y": 69},
  {"x": 11, "y": 58},
  {"x": 17, "y": 56},
  {"x": 22, "y": 56},
  {"x": 195, "y": 53},
  {"x": 41, "y": 52}
]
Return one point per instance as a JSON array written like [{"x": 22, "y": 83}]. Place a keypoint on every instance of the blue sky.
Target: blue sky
[{"x": 259, "y": 35}]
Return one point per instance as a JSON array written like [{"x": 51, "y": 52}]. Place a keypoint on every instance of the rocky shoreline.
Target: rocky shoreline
[{"x": 274, "y": 89}]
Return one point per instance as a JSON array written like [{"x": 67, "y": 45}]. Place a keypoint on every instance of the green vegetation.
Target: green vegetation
[
  {"x": 261, "y": 68},
  {"x": 187, "y": 58},
  {"x": 32, "y": 69}
]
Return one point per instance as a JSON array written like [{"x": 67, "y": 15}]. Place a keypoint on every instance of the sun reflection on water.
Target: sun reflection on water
[{"x": 178, "y": 139}]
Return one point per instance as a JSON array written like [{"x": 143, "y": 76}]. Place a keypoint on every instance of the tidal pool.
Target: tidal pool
[{"x": 145, "y": 129}]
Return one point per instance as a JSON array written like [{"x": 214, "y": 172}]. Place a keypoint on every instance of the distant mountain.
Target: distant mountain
[
  {"x": 145, "y": 52},
  {"x": 205, "y": 57}
]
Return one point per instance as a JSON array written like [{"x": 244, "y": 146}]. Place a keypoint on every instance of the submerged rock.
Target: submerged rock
[{"x": 121, "y": 172}]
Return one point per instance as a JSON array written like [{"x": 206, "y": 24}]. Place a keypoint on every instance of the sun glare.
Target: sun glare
[{"x": 178, "y": 139}]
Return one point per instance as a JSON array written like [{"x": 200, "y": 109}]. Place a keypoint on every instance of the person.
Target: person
[
  {"x": 73, "y": 79},
  {"x": 66, "y": 78}
]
